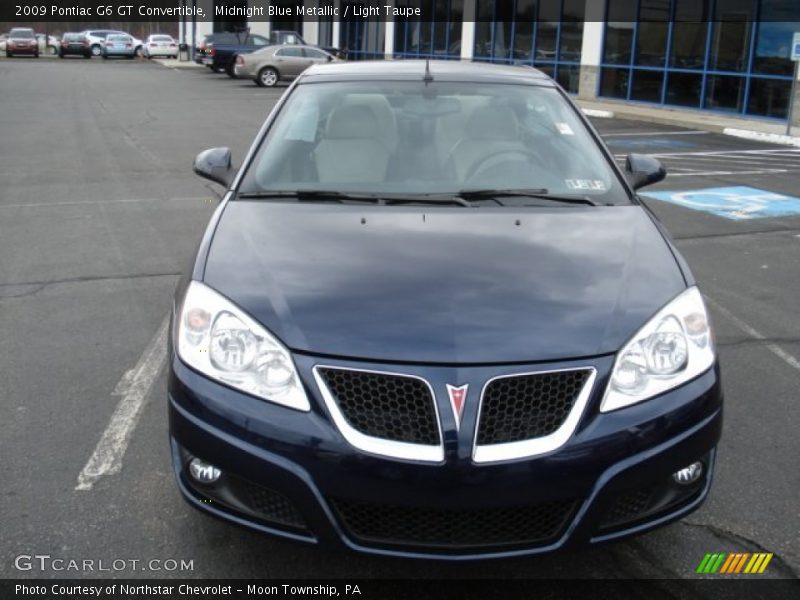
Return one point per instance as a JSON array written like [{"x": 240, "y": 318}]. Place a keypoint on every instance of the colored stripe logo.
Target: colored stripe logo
[{"x": 735, "y": 563}]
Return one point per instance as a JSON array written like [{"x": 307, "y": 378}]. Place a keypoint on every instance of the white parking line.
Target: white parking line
[
  {"x": 752, "y": 332},
  {"x": 740, "y": 160},
  {"x": 654, "y": 133},
  {"x": 727, "y": 173},
  {"x": 91, "y": 202},
  {"x": 727, "y": 163},
  {"x": 781, "y": 152},
  {"x": 134, "y": 387}
]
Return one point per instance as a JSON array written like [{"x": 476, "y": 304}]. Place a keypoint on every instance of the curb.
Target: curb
[
  {"x": 772, "y": 138},
  {"x": 183, "y": 65},
  {"x": 598, "y": 114}
]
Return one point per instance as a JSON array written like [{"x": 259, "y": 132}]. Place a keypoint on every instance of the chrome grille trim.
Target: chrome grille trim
[
  {"x": 374, "y": 445},
  {"x": 533, "y": 447}
]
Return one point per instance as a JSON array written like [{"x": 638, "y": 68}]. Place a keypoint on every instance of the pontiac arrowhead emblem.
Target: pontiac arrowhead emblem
[{"x": 458, "y": 395}]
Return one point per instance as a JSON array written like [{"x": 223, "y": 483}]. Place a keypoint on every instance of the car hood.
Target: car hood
[{"x": 443, "y": 285}]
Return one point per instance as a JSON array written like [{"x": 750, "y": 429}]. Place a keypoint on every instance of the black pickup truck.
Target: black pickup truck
[{"x": 218, "y": 51}]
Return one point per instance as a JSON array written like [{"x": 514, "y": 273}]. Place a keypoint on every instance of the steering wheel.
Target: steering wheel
[{"x": 500, "y": 158}]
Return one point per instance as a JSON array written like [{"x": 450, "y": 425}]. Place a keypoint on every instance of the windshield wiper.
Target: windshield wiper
[
  {"x": 344, "y": 197},
  {"x": 308, "y": 195},
  {"x": 538, "y": 194}
]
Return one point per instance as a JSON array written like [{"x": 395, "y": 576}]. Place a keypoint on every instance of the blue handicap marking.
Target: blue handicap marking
[{"x": 738, "y": 203}]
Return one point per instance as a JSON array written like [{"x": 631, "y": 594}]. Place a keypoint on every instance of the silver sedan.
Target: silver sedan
[{"x": 272, "y": 64}]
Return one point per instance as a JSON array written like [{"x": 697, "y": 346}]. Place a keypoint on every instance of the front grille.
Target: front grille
[
  {"x": 524, "y": 407},
  {"x": 272, "y": 506},
  {"x": 392, "y": 525},
  {"x": 386, "y": 406}
]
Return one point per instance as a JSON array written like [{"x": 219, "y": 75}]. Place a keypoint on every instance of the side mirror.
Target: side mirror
[
  {"x": 642, "y": 170},
  {"x": 215, "y": 164}
]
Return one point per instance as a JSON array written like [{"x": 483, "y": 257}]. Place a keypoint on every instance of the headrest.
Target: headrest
[
  {"x": 492, "y": 123},
  {"x": 351, "y": 122}
]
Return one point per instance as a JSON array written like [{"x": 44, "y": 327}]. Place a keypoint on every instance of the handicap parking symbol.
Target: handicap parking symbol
[{"x": 738, "y": 203}]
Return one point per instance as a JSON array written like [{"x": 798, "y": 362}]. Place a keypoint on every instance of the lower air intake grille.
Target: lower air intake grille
[
  {"x": 629, "y": 506},
  {"x": 524, "y": 407},
  {"x": 272, "y": 506},
  {"x": 392, "y": 525},
  {"x": 386, "y": 406}
]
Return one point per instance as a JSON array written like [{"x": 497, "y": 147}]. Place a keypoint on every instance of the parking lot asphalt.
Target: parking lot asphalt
[{"x": 99, "y": 212}]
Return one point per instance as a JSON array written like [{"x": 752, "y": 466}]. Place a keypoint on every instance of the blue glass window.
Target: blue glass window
[
  {"x": 440, "y": 38},
  {"x": 547, "y": 34},
  {"x": 721, "y": 55}
]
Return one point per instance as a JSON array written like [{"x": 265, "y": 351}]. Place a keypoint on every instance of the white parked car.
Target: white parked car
[
  {"x": 159, "y": 44},
  {"x": 97, "y": 40},
  {"x": 51, "y": 46}
]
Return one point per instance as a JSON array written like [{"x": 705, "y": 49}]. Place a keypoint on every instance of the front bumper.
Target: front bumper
[
  {"x": 611, "y": 479},
  {"x": 31, "y": 50},
  {"x": 161, "y": 51}
]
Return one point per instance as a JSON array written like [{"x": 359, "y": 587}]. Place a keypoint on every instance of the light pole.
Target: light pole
[
  {"x": 194, "y": 26},
  {"x": 795, "y": 73}
]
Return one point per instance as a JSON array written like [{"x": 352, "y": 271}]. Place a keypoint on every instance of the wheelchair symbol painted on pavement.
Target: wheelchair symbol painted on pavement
[{"x": 737, "y": 203}]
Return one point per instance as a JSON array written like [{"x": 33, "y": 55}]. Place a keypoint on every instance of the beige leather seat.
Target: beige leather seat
[
  {"x": 489, "y": 130},
  {"x": 351, "y": 150},
  {"x": 380, "y": 107}
]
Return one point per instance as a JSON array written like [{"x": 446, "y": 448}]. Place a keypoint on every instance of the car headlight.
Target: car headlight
[
  {"x": 218, "y": 339},
  {"x": 675, "y": 346}
]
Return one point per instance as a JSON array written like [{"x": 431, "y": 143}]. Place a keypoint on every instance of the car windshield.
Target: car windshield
[
  {"x": 409, "y": 137},
  {"x": 22, "y": 34},
  {"x": 161, "y": 38}
]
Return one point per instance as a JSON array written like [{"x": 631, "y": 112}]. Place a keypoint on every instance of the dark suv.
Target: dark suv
[{"x": 74, "y": 44}]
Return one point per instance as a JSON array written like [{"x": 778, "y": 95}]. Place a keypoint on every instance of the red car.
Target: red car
[{"x": 22, "y": 41}]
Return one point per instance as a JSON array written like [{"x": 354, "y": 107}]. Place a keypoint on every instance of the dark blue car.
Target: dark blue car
[{"x": 431, "y": 318}]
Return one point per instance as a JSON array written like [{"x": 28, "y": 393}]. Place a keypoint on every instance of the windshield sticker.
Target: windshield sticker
[
  {"x": 564, "y": 129},
  {"x": 595, "y": 185},
  {"x": 304, "y": 127}
]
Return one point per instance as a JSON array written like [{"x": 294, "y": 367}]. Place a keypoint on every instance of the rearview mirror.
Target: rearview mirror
[
  {"x": 642, "y": 170},
  {"x": 215, "y": 164}
]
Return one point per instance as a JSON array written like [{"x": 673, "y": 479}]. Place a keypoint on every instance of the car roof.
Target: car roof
[{"x": 442, "y": 70}]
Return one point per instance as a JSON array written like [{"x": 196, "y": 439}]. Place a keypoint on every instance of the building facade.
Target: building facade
[{"x": 725, "y": 56}]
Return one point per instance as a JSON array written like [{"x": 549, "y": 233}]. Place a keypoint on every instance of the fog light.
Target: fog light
[
  {"x": 688, "y": 475},
  {"x": 203, "y": 472}
]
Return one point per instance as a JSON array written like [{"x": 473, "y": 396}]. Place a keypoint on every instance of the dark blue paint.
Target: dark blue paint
[
  {"x": 455, "y": 296},
  {"x": 444, "y": 285}
]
